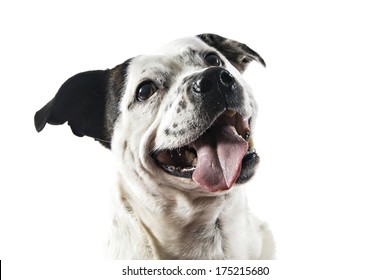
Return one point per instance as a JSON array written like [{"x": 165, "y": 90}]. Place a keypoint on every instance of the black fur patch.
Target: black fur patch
[
  {"x": 89, "y": 102},
  {"x": 240, "y": 55},
  {"x": 80, "y": 101}
]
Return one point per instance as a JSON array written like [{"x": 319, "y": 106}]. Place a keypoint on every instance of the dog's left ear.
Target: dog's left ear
[
  {"x": 81, "y": 102},
  {"x": 240, "y": 55}
]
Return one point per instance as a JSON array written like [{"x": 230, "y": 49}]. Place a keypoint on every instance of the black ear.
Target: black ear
[
  {"x": 80, "y": 101},
  {"x": 240, "y": 55}
]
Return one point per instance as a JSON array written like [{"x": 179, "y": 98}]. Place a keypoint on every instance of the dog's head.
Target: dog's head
[{"x": 182, "y": 117}]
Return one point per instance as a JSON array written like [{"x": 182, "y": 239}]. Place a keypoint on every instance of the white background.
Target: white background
[{"x": 323, "y": 130}]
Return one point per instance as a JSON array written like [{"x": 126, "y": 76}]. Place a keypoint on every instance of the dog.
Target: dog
[{"x": 179, "y": 125}]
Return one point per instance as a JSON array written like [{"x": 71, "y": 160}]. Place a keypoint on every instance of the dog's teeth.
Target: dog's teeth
[
  {"x": 233, "y": 129},
  {"x": 247, "y": 135},
  {"x": 230, "y": 113},
  {"x": 189, "y": 156},
  {"x": 250, "y": 142}
]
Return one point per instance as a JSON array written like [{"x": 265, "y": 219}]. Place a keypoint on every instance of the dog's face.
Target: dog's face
[{"x": 181, "y": 118}]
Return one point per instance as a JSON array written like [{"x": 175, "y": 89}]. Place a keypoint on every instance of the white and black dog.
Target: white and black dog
[{"x": 179, "y": 125}]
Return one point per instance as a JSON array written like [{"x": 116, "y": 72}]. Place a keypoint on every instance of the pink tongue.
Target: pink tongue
[{"x": 220, "y": 152}]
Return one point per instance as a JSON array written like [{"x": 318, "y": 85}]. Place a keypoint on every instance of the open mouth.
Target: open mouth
[{"x": 216, "y": 159}]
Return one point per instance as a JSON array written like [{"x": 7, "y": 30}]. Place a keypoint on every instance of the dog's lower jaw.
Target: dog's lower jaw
[{"x": 184, "y": 227}]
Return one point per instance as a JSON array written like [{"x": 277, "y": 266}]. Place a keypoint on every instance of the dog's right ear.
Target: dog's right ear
[
  {"x": 81, "y": 102},
  {"x": 239, "y": 54}
]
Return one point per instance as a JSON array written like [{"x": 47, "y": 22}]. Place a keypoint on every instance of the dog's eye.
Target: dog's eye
[
  {"x": 145, "y": 90},
  {"x": 212, "y": 59}
]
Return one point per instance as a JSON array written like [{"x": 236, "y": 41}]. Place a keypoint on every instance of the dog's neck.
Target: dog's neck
[{"x": 180, "y": 225}]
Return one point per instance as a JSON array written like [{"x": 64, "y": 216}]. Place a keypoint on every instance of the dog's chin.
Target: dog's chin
[{"x": 219, "y": 157}]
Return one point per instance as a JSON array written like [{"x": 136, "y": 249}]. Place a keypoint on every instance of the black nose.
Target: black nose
[{"x": 213, "y": 79}]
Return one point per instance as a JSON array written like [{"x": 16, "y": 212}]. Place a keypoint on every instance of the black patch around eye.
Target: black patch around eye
[{"x": 145, "y": 90}]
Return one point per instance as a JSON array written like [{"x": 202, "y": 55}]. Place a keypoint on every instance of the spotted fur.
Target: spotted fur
[{"x": 157, "y": 215}]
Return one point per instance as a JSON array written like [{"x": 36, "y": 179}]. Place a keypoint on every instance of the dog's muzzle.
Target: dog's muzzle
[{"x": 223, "y": 154}]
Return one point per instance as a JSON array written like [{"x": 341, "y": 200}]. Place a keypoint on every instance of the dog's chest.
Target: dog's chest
[
  {"x": 197, "y": 241},
  {"x": 179, "y": 233}
]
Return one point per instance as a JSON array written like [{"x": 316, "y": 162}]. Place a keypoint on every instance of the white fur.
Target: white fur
[{"x": 159, "y": 216}]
